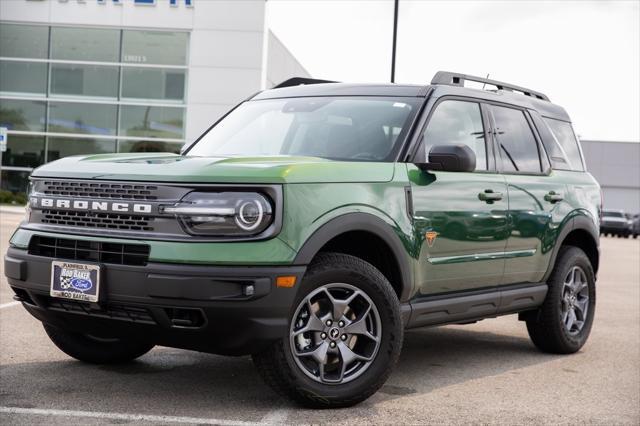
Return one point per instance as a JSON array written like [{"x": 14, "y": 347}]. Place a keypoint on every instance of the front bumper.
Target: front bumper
[{"x": 231, "y": 310}]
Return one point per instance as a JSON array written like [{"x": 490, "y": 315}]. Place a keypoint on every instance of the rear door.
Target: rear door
[
  {"x": 536, "y": 195},
  {"x": 460, "y": 219}
]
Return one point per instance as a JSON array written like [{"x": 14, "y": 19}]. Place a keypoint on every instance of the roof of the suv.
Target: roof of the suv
[{"x": 544, "y": 107}]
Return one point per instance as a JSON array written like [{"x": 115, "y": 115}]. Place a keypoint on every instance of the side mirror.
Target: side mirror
[{"x": 450, "y": 158}]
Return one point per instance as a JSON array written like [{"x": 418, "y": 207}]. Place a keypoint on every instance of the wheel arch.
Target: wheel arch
[
  {"x": 579, "y": 232},
  {"x": 354, "y": 227}
]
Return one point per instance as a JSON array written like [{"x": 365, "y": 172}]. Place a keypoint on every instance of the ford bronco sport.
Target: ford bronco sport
[{"x": 312, "y": 225}]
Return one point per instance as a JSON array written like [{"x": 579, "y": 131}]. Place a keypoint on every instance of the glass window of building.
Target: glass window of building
[
  {"x": 152, "y": 121},
  {"x": 22, "y": 115},
  {"x": 85, "y": 44},
  {"x": 143, "y": 67},
  {"x": 149, "y": 146},
  {"x": 153, "y": 83},
  {"x": 154, "y": 47},
  {"x": 23, "y": 77},
  {"x": 84, "y": 80},
  {"x": 59, "y": 147},
  {"x": 24, "y": 151},
  {"x": 16, "y": 182},
  {"x": 90, "y": 118},
  {"x": 24, "y": 41}
]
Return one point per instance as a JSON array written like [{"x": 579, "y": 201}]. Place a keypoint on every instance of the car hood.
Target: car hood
[{"x": 177, "y": 168}]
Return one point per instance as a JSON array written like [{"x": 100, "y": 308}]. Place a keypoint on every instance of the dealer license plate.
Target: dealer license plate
[{"x": 78, "y": 281}]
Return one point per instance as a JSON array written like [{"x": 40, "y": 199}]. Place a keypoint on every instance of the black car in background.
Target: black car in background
[{"x": 615, "y": 223}]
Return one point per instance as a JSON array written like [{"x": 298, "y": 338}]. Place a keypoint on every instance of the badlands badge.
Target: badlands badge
[{"x": 431, "y": 237}]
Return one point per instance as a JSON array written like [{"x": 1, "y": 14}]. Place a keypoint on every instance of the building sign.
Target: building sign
[
  {"x": 173, "y": 3},
  {"x": 3, "y": 139}
]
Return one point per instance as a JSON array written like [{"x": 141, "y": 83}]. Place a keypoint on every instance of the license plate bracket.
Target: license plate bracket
[{"x": 75, "y": 281}]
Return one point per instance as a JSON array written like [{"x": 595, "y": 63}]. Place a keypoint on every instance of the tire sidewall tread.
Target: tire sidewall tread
[{"x": 278, "y": 367}]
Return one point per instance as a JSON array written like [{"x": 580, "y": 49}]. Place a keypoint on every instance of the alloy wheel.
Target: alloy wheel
[
  {"x": 575, "y": 300},
  {"x": 335, "y": 333}
]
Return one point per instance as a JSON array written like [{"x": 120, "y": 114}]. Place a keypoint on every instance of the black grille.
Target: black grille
[
  {"x": 119, "y": 191},
  {"x": 119, "y": 312},
  {"x": 93, "y": 251},
  {"x": 97, "y": 220}
]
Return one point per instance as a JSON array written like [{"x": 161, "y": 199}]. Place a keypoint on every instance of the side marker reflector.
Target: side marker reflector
[{"x": 287, "y": 281}]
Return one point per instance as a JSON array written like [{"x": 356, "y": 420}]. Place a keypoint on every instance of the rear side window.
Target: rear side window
[
  {"x": 516, "y": 143},
  {"x": 566, "y": 142},
  {"x": 457, "y": 122}
]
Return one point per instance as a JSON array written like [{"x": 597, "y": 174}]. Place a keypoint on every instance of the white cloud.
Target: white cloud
[{"x": 584, "y": 55}]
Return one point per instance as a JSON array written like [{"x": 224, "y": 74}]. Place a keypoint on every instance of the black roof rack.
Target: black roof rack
[
  {"x": 297, "y": 81},
  {"x": 456, "y": 79}
]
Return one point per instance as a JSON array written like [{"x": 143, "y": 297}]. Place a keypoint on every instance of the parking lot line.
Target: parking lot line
[
  {"x": 126, "y": 417},
  {"x": 8, "y": 305}
]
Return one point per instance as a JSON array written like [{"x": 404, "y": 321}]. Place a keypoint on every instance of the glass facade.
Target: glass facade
[{"x": 70, "y": 90}]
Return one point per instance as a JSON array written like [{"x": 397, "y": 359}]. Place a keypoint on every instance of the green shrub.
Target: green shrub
[{"x": 8, "y": 197}]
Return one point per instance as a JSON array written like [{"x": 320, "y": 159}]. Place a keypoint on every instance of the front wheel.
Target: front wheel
[
  {"x": 344, "y": 339},
  {"x": 94, "y": 349},
  {"x": 563, "y": 322}
]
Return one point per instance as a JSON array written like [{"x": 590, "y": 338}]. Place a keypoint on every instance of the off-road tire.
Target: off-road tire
[
  {"x": 96, "y": 350},
  {"x": 278, "y": 368},
  {"x": 545, "y": 326}
]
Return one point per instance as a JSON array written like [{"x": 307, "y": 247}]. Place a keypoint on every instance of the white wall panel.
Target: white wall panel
[
  {"x": 33, "y": 11},
  {"x": 201, "y": 117},
  {"x": 161, "y": 15},
  {"x": 242, "y": 15},
  {"x": 281, "y": 64},
  {"x": 241, "y": 49},
  {"x": 88, "y": 13},
  {"x": 221, "y": 85}
]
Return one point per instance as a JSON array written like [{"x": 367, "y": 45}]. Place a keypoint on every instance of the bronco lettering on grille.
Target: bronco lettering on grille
[{"x": 86, "y": 205}]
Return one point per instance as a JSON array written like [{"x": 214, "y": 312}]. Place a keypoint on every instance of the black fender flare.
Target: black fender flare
[
  {"x": 578, "y": 222},
  {"x": 360, "y": 222}
]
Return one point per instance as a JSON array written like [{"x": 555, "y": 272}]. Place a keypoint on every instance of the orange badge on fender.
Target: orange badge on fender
[{"x": 431, "y": 237}]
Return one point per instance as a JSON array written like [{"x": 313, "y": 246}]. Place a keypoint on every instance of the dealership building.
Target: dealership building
[{"x": 104, "y": 76}]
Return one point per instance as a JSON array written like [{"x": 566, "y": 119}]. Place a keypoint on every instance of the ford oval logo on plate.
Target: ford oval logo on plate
[{"x": 81, "y": 284}]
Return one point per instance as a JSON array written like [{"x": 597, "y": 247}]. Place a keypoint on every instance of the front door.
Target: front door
[{"x": 460, "y": 219}]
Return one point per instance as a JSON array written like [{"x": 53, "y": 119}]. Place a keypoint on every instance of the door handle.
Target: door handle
[
  {"x": 489, "y": 196},
  {"x": 553, "y": 197}
]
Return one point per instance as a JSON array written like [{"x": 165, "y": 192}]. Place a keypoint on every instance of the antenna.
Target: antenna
[{"x": 485, "y": 83}]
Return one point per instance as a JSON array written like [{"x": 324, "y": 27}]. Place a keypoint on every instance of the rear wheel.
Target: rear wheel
[
  {"x": 94, "y": 349},
  {"x": 345, "y": 336},
  {"x": 563, "y": 323}
]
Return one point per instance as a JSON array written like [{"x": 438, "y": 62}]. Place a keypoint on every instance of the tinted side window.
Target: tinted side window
[
  {"x": 567, "y": 142},
  {"x": 516, "y": 143},
  {"x": 457, "y": 122}
]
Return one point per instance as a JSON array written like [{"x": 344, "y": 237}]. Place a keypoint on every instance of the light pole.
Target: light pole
[{"x": 395, "y": 37}]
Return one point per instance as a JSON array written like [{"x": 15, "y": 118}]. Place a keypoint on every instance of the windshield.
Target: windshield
[{"x": 337, "y": 128}]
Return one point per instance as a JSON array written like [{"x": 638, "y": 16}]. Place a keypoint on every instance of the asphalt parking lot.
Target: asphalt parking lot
[{"x": 487, "y": 372}]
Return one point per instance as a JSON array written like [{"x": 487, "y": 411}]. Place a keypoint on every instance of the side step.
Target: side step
[{"x": 475, "y": 305}]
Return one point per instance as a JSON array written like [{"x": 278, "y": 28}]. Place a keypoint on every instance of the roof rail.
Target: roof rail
[
  {"x": 456, "y": 79},
  {"x": 297, "y": 81}
]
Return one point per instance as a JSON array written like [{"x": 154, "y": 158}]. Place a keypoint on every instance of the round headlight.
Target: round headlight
[
  {"x": 223, "y": 213},
  {"x": 249, "y": 215}
]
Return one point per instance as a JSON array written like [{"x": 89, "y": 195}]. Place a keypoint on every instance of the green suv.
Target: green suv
[{"x": 312, "y": 225}]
